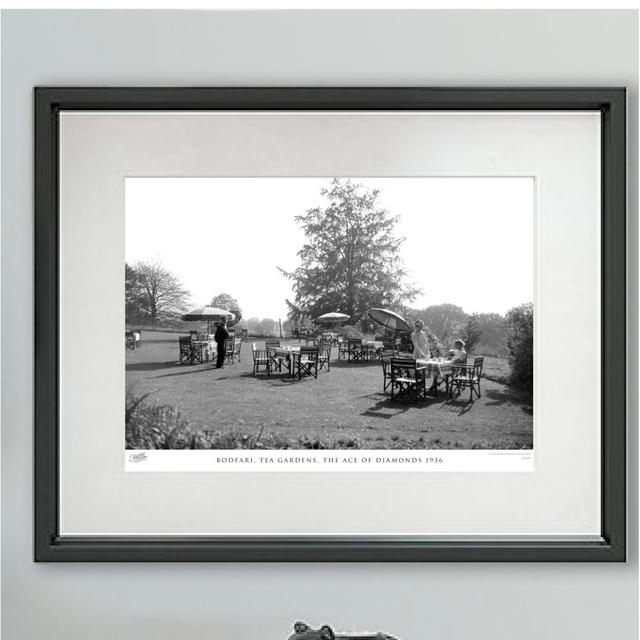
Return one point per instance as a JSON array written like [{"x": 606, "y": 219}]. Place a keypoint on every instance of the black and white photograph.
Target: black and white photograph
[{"x": 329, "y": 313}]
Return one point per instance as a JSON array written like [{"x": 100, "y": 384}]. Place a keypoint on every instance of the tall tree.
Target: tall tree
[
  {"x": 443, "y": 319},
  {"x": 160, "y": 294},
  {"x": 520, "y": 342},
  {"x": 132, "y": 309},
  {"x": 471, "y": 332},
  {"x": 351, "y": 258},
  {"x": 229, "y": 303},
  {"x": 225, "y": 301},
  {"x": 493, "y": 340},
  {"x": 295, "y": 315}
]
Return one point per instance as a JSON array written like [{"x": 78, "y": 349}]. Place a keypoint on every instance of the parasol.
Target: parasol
[
  {"x": 389, "y": 319},
  {"x": 238, "y": 316},
  {"x": 208, "y": 314},
  {"x": 334, "y": 318}
]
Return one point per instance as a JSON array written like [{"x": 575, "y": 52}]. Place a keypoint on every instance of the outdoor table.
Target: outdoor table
[
  {"x": 377, "y": 346},
  {"x": 434, "y": 368},
  {"x": 208, "y": 346},
  {"x": 327, "y": 338},
  {"x": 288, "y": 353}
]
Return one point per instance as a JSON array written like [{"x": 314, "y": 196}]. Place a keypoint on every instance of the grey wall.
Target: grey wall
[{"x": 87, "y": 602}]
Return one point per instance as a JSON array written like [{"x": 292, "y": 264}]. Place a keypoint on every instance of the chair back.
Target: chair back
[
  {"x": 354, "y": 343},
  {"x": 389, "y": 345},
  {"x": 385, "y": 358},
  {"x": 309, "y": 353},
  {"x": 185, "y": 344},
  {"x": 272, "y": 344},
  {"x": 478, "y": 363},
  {"x": 255, "y": 352},
  {"x": 403, "y": 368},
  {"x": 193, "y": 334}
]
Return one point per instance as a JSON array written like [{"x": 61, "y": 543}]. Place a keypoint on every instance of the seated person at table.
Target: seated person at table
[
  {"x": 459, "y": 355},
  {"x": 420, "y": 342}
]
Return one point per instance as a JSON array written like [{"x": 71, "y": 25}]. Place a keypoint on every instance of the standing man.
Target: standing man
[{"x": 220, "y": 337}]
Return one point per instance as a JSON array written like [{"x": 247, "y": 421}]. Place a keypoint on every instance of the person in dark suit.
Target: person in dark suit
[{"x": 220, "y": 337}]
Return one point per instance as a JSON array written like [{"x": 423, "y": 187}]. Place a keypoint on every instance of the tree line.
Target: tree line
[
  {"x": 350, "y": 262},
  {"x": 154, "y": 296}
]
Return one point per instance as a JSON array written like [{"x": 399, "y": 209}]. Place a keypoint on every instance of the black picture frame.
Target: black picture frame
[{"x": 50, "y": 546}]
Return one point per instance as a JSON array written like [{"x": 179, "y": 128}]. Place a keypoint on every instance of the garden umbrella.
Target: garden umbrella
[
  {"x": 389, "y": 319},
  {"x": 238, "y": 316},
  {"x": 208, "y": 314},
  {"x": 333, "y": 318}
]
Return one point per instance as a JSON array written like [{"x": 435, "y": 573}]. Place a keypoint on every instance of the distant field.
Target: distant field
[{"x": 342, "y": 408}]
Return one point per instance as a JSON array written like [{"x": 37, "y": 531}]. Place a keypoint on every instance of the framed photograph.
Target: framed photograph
[{"x": 330, "y": 324}]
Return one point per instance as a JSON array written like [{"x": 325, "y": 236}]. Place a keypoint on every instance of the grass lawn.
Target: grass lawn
[{"x": 344, "y": 407}]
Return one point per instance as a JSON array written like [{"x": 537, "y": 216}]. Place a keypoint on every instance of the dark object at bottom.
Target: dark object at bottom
[{"x": 302, "y": 631}]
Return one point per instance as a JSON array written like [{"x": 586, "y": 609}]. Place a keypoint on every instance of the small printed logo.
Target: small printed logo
[{"x": 138, "y": 457}]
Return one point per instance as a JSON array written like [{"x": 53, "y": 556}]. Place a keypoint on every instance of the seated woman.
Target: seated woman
[
  {"x": 420, "y": 342},
  {"x": 458, "y": 353}
]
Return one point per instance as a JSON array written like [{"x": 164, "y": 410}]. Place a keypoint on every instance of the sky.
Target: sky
[{"x": 469, "y": 241}]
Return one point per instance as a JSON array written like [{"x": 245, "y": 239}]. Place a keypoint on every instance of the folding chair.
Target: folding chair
[
  {"x": 276, "y": 361},
  {"x": 130, "y": 341},
  {"x": 307, "y": 362},
  {"x": 324, "y": 359},
  {"x": 385, "y": 359},
  {"x": 189, "y": 353},
  {"x": 390, "y": 345},
  {"x": 232, "y": 350},
  {"x": 407, "y": 380},
  {"x": 354, "y": 349},
  {"x": 261, "y": 358},
  {"x": 448, "y": 378},
  {"x": 467, "y": 376}
]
